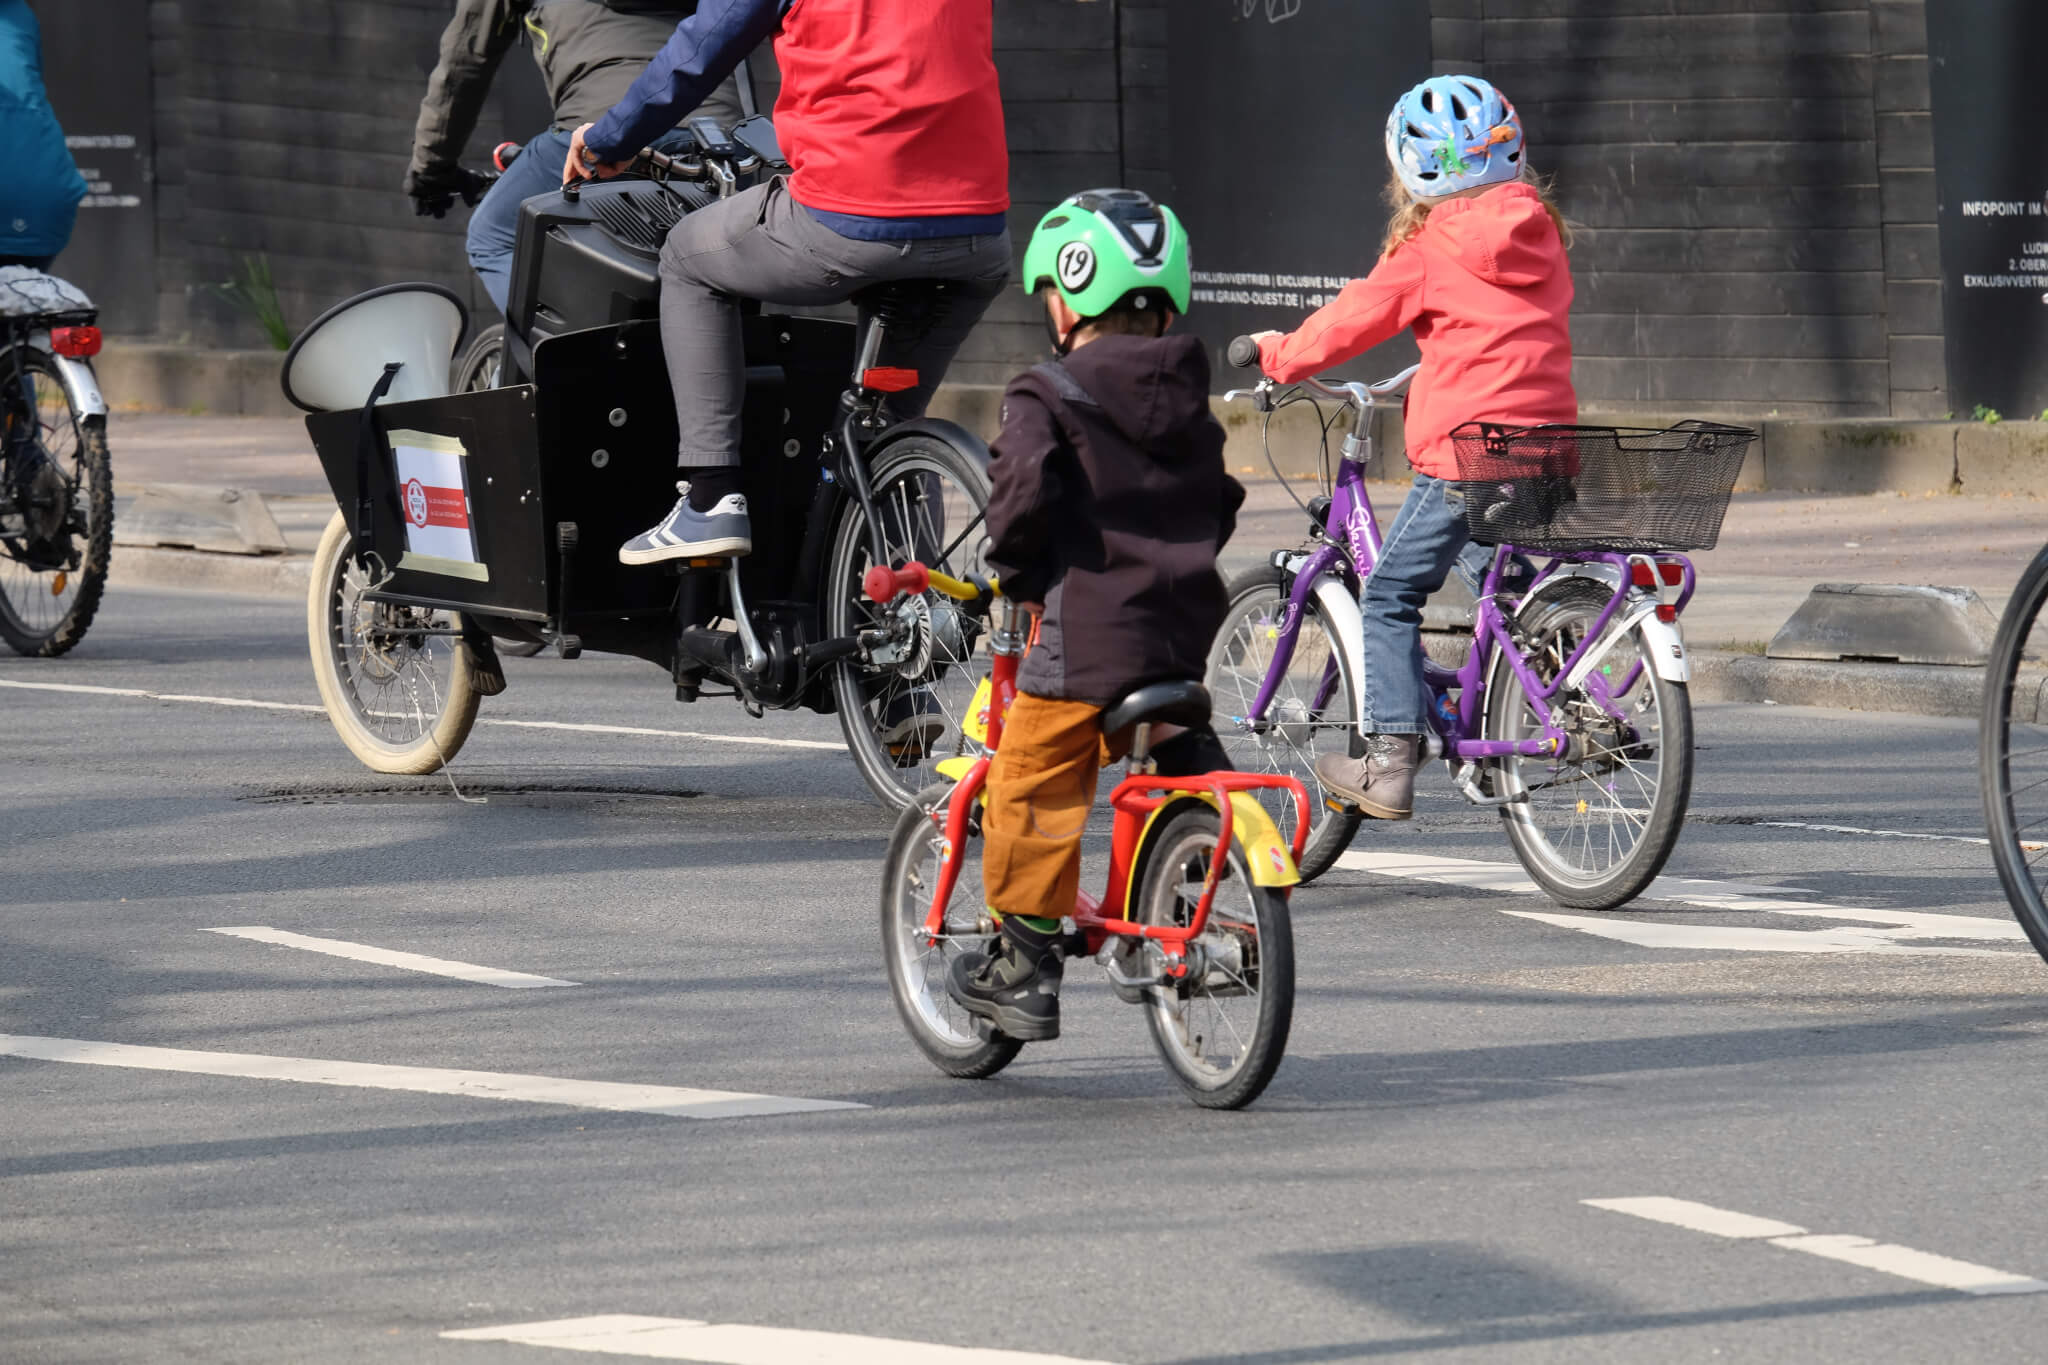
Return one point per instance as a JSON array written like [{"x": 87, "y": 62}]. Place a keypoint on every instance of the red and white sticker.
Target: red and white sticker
[{"x": 435, "y": 499}]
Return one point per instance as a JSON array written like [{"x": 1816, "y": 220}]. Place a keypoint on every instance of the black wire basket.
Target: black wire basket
[{"x": 1562, "y": 488}]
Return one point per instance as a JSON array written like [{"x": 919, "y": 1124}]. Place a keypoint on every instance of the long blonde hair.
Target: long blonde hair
[{"x": 1410, "y": 213}]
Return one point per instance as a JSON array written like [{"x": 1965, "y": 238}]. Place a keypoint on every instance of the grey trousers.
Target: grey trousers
[{"x": 764, "y": 245}]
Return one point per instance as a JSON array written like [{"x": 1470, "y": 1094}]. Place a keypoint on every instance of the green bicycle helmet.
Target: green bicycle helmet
[{"x": 1102, "y": 246}]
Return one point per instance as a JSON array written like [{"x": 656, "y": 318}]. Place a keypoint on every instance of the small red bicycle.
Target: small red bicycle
[{"x": 1192, "y": 925}]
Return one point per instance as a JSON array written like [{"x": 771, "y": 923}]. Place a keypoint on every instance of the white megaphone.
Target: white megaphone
[{"x": 339, "y": 359}]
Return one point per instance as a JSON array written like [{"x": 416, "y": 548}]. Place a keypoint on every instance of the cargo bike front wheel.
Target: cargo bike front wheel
[{"x": 397, "y": 681}]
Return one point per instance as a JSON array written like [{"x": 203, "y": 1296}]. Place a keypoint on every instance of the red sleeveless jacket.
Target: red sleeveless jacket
[{"x": 890, "y": 108}]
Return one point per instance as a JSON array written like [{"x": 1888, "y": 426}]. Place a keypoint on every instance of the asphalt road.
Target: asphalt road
[{"x": 1462, "y": 1079}]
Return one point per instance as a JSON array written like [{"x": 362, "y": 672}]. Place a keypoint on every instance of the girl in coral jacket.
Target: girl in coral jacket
[{"x": 1474, "y": 264}]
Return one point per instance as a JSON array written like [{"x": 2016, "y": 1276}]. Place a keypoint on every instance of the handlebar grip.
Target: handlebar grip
[
  {"x": 1243, "y": 353},
  {"x": 882, "y": 584},
  {"x": 504, "y": 154}
]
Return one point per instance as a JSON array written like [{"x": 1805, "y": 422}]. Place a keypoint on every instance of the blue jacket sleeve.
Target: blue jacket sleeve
[{"x": 702, "y": 51}]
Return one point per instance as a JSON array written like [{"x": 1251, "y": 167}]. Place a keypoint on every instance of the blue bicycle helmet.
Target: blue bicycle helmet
[{"x": 1453, "y": 133}]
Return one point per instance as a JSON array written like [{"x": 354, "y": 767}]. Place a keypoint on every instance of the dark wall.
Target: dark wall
[
  {"x": 1755, "y": 176},
  {"x": 1755, "y": 182}
]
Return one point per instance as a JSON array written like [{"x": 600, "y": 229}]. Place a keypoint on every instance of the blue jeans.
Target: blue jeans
[
  {"x": 494, "y": 222},
  {"x": 1427, "y": 540}
]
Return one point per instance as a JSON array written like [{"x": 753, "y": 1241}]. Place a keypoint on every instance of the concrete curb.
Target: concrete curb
[
  {"x": 287, "y": 575},
  {"x": 1917, "y": 689}
]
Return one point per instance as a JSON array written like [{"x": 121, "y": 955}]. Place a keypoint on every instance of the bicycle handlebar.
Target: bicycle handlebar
[{"x": 883, "y": 584}]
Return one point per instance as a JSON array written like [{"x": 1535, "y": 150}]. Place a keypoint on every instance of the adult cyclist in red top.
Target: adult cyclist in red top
[{"x": 891, "y": 119}]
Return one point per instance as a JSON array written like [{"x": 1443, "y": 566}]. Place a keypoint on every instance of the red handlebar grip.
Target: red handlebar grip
[{"x": 883, "y": 584}]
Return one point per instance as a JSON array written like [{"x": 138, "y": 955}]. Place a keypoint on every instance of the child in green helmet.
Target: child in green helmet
[{"x": 1110, "y": 503}]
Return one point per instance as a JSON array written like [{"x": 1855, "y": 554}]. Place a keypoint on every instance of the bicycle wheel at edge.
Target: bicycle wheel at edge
[
  {"x": 933, "y": 500},
  {"x": 401, "y": 699},
  {"x": 1224, "y": 1035},
  {"x": 1595, "y": 830},
  {"x": 2013, "y": 758},
  {"x": 1300, "y": 731},
  {"x": 45, "y": 607},
  {"x": 917, "y": 969}
]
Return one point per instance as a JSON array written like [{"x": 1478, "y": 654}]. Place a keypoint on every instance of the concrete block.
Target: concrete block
[
  {"x": 1860, "y": 456},
  {"x": 197, "y": 517},
  {"x": 168, "y": 378},
  {"x": 1296, "y": 437},
  {"x": 2002, "y": 457},
  {"x": 1893, "y": 622}
]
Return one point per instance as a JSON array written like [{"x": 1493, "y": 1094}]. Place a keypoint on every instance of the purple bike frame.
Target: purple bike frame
[{"x": 1350, "y": 531}]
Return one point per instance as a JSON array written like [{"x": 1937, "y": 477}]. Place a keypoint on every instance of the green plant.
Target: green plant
[
  {"x": 255, "y": 292},
  {"x": 1988, "y": 416}
]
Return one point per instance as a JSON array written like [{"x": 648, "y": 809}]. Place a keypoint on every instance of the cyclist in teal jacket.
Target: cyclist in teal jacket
[{"x": 43, "y": 183}]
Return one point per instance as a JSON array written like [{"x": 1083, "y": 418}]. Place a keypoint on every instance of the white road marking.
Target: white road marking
[
  {"x": 1878, "y": 931},
  {"x": 1909, "y": 1264},
  {"x": 411, "y": 962},
  {"x": 1924, "y": 1267},
  {"x": 139, "y": 694},
  {"x": 1878, "y": 833},
  {"x": 669, "y": 1100},
  {"x": 719, "y": 1343},
  {"x": 1684, "y": 1213}
]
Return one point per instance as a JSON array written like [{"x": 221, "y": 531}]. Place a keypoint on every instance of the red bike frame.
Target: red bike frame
[{"x": 1134, "y": 800}]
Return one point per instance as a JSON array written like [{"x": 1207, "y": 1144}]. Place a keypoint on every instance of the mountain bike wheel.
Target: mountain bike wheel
[
  {"x": 917, "y": 965},
  {"x": 1221, "y": 1032},
  {"x": 396, "y": 681},
  {"x": 56, "y": 510},
  {"x": 1315, "y": 710},
  {"x": 482, "y": 365},
  {"x": 1594, "y": 827},
  {"x": 2013, "y": 757},
  {"x": 903, "y": 717}
]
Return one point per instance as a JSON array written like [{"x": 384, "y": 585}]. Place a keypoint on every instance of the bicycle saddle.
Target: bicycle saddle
[{"x": 1171, "y": 703}]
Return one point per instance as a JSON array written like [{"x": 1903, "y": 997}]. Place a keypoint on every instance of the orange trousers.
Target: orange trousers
[{"x": 1040, "y": 788}]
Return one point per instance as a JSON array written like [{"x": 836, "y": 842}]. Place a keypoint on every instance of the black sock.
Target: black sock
[{"x": 707, "y": 486}]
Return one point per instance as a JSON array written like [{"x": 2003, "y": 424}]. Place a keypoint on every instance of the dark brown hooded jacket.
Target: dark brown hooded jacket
[{"x": 1110, "y": 504}]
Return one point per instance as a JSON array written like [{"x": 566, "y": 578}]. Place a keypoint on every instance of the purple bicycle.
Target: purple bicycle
[{"x": 1569, "y": 714}]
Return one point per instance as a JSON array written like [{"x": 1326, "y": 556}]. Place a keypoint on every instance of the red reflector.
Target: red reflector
[
  {"x": 888, "y": 379},
  {"x": 1640, "y": 575},
  {"x": 1667, "y": 613},
  {"x": 1674, "y": 574},
  {"x": 76, "y": 342}
]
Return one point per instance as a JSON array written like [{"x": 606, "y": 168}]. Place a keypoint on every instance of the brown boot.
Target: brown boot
[{"x": 1382, "y": 784}]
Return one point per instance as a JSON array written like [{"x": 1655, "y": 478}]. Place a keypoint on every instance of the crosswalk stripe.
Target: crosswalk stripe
[
  {"x": 668, "y": 1100},
  {"x": 715, "y": 1343},
  {"x": 386, "y": 957}
]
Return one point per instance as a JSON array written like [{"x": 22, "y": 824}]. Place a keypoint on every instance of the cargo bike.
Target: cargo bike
[{"x": 467, "y": 518}]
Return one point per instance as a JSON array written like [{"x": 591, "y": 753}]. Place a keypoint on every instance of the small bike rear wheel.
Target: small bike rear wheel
[
  {"x": 1314, "y": 709},
  {"x": 918, "y": 963},
  {"x": 1222, "y": 1031},
  {"x": 1593, "y": 827},
  {"x": 2013, "y": 762},
  {"x": 397, "y": 681},
  {"x": 56, "y": 509}
]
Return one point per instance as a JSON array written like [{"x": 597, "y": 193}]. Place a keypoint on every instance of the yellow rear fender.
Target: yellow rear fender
[{"x": 1269, "y": 856}]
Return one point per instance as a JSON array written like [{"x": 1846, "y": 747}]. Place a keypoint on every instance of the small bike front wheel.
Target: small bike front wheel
[
  {"x": 902, "y": 709},
  {"x": 1314, "y": 709},
  {"x": 1223, "y": 1030},
  {"x": 2013, "y": 759},
  {"x": 1592, "y": 826},
  {"x": 918, "y": 962},
  {"x": 56, "y": 509},
  {"x": 397, "y": 681}
]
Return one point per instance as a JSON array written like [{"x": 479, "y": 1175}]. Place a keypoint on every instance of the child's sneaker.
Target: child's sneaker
[{"x": 1015, "y": 986}]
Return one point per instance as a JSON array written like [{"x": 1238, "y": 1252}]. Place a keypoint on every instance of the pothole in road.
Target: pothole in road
[{"x": 434, "y": 791}]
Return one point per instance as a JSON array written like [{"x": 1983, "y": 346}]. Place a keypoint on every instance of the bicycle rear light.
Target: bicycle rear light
[
  {"x": 78, "y": 343},
  {"x": 888, "y": 379},
  {"x": 1642, "y": 575}
]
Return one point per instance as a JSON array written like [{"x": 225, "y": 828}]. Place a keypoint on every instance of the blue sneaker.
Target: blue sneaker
[{"x": 687, "y": 534}]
